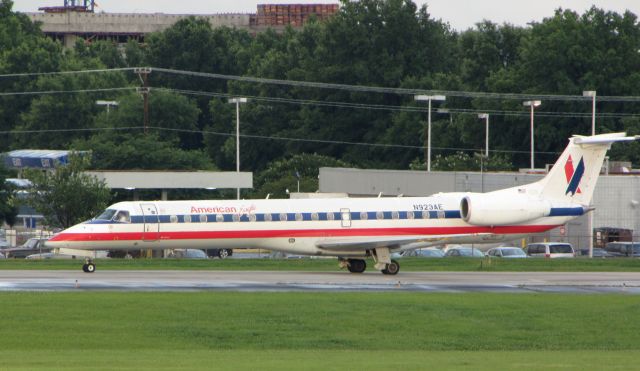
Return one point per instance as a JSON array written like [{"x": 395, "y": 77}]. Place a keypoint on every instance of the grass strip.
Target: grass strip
[
  {"x": 233, "y": 330},
  {"x": 407, "y": 264}
]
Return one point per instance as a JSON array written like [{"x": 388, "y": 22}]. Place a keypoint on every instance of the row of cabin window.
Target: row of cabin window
[{"x": 299, "y": 217}]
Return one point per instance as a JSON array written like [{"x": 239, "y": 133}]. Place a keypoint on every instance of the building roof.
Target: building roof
[{"x": 36, "y": 158}]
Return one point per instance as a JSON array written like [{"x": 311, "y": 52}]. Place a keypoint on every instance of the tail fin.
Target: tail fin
[{"x": 573, "y": 177}]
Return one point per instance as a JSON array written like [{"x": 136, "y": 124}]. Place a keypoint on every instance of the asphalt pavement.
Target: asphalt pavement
[{"x": 522, "y": 282}]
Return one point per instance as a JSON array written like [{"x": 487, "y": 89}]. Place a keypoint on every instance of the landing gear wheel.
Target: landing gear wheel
[
  {"x": 88, "y": 266},
  {"x": 392, "y": 269},
  {"x": 223, "y": 253},
  {"x": 357, "y": 265}
]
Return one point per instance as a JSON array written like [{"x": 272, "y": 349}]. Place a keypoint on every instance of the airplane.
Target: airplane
[{"x": 353, "y": 229}]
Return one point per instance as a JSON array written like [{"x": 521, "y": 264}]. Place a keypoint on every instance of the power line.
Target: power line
[
  {"x": 360, "y": 88},
  {"x": 263, "y": 137},
  {"x": 36, "y": 74},
  {"x": 400, "y": 91},
  {"x": 45, "y": 92}
]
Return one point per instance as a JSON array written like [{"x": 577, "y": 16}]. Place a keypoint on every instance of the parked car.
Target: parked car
[
  {"x": 623, "y": 249},
  {"x": 429, "y": 252},
  {"x": 597, "y": 253},
  {"x": 464, "y": 252},
  {"x": 187, "y": 254},
  {"x": 550, "y": 250},
  {"x": 31, "y": 246},
  {"x": 219, "y": 253},
  {"x": 50, "y": 255},
  {"x": 506, "y": 252}
]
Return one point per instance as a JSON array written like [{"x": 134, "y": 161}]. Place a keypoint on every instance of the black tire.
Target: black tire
[
  {"x": 223, "y": 253},
  {"x": 91, "y": 268},
  {"x": 392, "y": 269},
  {"x": 357, "y": 265},
  {"x": 84, "y": 268}
]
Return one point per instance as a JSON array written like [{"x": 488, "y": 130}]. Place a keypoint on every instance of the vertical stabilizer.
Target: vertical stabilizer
[{"x": 573, "y": 177}]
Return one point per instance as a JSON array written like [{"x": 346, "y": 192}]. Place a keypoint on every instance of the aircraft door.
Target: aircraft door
[
  {"x": 345, "y": 217},
  {"x": 151, "y": 230}
]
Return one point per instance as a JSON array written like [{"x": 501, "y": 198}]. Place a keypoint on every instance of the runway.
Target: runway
[{"x": 258, "y": 281}]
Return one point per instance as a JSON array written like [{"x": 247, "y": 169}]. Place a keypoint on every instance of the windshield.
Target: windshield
[
  {"x": 470, "y": 252},
  {"x": 512, "y": 252},
  {"x": 560, "y": 249},
  {"x": 106, "y": 215}
]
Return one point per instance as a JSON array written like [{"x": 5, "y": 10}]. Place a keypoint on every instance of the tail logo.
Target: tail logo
[{"x": 574, "y": 176}]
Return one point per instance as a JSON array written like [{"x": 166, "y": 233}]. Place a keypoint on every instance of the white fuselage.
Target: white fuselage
[{"x": 335, "y": 227}]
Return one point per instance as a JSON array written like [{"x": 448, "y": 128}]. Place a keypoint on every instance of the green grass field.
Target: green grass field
[
  {"x": 318, "y": 331},
  {"x": 407, "y": 264}
]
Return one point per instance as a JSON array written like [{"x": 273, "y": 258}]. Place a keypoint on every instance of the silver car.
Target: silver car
[{"x": 506, "y": 252}]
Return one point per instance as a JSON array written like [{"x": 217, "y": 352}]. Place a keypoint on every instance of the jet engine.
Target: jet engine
[{"x": 500, "y": 209}]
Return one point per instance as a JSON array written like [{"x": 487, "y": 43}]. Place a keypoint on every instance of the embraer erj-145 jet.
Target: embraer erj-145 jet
[{"x": 353, "y": 229}]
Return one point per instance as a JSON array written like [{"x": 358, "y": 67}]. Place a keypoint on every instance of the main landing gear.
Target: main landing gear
[
  {"x": 380, "y": 256},
  {"x": 88, "y": 266}
]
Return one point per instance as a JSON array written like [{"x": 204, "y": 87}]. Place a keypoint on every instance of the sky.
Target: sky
[{"x": 460, "y": 14}]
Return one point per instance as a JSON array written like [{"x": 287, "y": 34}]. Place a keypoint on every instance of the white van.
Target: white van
[{"x": 551, "y": 250}]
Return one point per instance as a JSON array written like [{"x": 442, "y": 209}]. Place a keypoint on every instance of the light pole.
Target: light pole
[
  {"x": 532, "y": 104},
  {"x": 429, "y": 98},
  {"x": 485, "y": 116},
  {"x": 592, "y": 94},
  {"x": 107, "y": 103},
  {"x": 237, "y": 102}
]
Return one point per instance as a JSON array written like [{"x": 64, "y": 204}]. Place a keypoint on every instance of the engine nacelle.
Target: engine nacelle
[{"x": 494, "y": 210}]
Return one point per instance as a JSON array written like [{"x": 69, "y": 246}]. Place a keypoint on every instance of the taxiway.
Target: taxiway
[{"x": 580, "y": 282}]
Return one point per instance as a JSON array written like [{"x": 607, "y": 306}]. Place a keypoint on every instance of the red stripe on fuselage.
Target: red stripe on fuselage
[{"x": 320, "y": 233}]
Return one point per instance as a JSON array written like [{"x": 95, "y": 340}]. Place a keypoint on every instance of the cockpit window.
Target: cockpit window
[
  {"x": 122, "y": 216},
  {"x": 106, "y": 215}
]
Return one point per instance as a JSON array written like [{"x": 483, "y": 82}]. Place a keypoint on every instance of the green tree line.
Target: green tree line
[{"x": 290, "y": 128}]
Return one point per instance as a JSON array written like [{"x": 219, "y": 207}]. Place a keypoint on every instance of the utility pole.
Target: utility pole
[{"x": 143, "y": 73}]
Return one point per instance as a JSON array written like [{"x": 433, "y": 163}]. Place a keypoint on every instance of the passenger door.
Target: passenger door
[
  {"x": 345, "y": 217},
  {"x": 151, "y": 231}
]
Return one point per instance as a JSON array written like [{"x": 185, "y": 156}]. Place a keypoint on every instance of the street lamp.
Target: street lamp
[
  {"x": 485, "y": 116},
  {"x": 107, "y": 103},
  {"x": 532, "y": 104},
  {"x": 429, "y": 98},
  {"x": 237, "y": 102},
  {"x": 592, "y": 94}
]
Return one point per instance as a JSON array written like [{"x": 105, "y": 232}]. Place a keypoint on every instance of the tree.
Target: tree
[
  {"x": 23, "y": 49},
  {"x": 8, "y": 208},
  {"x": 282, "y": 175},
  {"x": 67, "y": 196}
]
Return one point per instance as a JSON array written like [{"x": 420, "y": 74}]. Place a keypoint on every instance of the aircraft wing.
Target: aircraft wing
[{"x": 400, "y": 243}]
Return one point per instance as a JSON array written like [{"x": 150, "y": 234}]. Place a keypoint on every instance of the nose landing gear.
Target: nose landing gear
[{"x": 88, "y": 266}]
